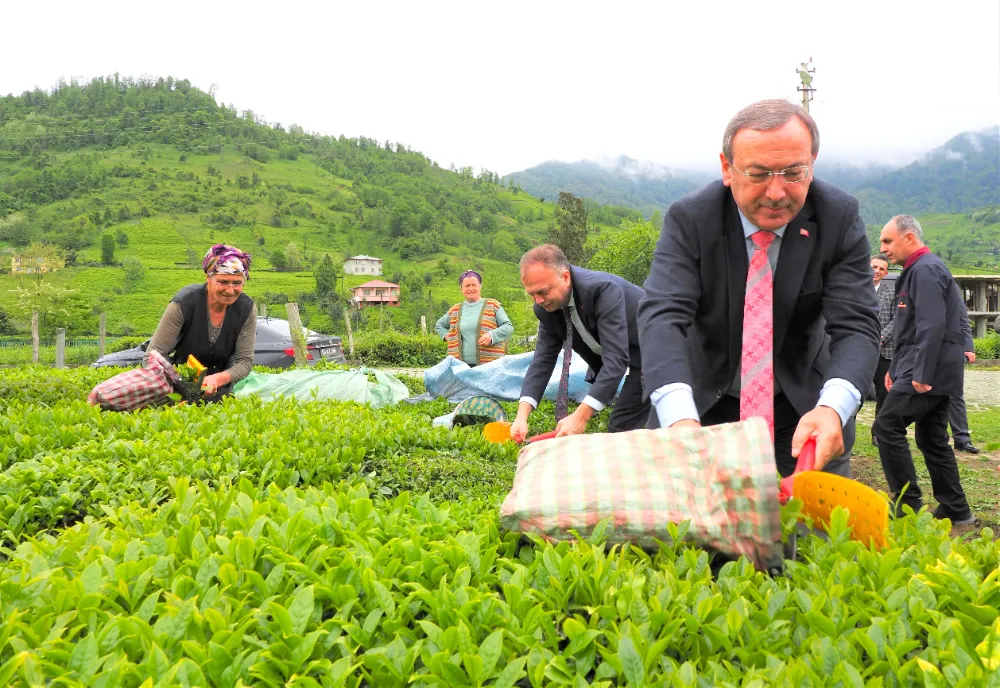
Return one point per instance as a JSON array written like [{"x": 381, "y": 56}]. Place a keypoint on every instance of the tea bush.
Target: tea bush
[{"x": 329, "y": 544}]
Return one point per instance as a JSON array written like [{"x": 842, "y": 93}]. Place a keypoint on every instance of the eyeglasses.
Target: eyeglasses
[
  {"x": 234, "y": 283},
  {"x": 791, "y": 175}
]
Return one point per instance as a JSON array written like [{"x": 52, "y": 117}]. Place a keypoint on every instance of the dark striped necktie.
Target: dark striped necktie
[{"x": 562, "y": 396}]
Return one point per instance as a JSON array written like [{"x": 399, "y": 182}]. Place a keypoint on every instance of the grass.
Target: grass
[{"x": 979, "y": 474}]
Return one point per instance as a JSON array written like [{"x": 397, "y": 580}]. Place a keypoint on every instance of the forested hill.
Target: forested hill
[
  {"x": 958, "y": 177},
  {"x": 54, "y": 146},
  {"x": 163, "y": 170},
  {"x": 647, "y": 187}
]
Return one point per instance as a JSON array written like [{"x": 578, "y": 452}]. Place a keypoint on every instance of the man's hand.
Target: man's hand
[
  {"x": 822, "y": 423},
  {"x": 888, "y": 383},
  {"x": 519, "y": 429},
  {"x": 486, "y": 339},
  {"x": 970, "y": 356},
  {"x": 576, "y": 422},
  {"x": 686, "y": 423},
  {"x": 920, "y": 387}
]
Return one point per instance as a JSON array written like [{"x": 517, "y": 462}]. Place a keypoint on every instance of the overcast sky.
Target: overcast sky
[{"x": 506, "y": 85}]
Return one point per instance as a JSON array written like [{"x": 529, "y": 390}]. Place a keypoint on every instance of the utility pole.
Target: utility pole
[{"x": 805, "y": 74}]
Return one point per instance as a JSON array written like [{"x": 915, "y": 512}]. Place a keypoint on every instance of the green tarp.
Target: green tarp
[{"x": 339, "y": 385}]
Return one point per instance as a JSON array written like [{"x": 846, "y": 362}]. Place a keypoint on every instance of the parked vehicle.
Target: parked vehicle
[{"x": 273, "y": 348}]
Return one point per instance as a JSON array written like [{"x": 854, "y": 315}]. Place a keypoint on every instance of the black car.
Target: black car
[{"x": 273, "y": 348}]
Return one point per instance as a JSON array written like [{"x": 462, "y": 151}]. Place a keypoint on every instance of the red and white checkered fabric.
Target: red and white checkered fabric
[
  {"x": 721, "y": 479},
  {"x": 135, "y": 389}
]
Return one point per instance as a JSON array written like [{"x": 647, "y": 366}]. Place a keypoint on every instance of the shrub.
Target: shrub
[
  {"x": 988, "y": 347},
  {"x": 398, "y": 350}
]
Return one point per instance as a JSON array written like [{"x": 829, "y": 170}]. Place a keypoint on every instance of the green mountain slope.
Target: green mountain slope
[
  {"x": 958, "y": 177},
  {"x": 648, "y": 188},
  {"x": 167, "y": 172}
]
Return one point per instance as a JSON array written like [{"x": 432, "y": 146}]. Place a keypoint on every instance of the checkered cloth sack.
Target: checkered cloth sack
[
  {"x": 722, "y": 479},
  {"x": 135, "y": 389}
]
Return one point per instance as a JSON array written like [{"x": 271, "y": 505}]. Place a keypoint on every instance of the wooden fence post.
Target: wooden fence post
[
  {"x": 101, "y": 334},
  {"x": 61, "y": 347},
  {"x": 34, "y": 336},
  {"x": 263, "y": 310},
  {"x": 295, "y": 328},
  {"x": 350, "y": 336},
  {"x": 423, "y": 324}
]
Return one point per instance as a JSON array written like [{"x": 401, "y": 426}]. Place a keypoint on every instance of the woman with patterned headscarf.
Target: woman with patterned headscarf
[
  {"x": 215, "y": 321},
  {"x": 477, "y": 329}
]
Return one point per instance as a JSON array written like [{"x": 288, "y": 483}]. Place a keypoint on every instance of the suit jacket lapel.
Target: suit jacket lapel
[
  {"x": 736, "y": 272},
  {"x": 793, "y": 260}
]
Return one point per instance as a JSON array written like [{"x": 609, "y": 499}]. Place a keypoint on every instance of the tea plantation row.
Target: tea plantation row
[{"x": 324, "y": 544}]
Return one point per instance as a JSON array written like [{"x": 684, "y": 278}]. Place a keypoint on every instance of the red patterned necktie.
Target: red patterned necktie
[{"x": 757, "y": 371}]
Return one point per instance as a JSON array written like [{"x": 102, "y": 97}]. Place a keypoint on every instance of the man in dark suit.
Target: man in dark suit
[
  {"x": 597, "y": 310},
  {"x": 791, "y": 252},
  {"x": 886, "y": 310},
  {"x": 927, "y": 369},
  {"x": 958, "y": 415}
]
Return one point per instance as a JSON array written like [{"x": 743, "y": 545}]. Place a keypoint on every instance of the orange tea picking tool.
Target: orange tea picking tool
[{"x": 822, "y": 492}]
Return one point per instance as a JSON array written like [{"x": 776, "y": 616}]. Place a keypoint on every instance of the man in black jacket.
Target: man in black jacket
[
  {"x": 592, "y": 313},
  {"x": 927, "y": 370}
]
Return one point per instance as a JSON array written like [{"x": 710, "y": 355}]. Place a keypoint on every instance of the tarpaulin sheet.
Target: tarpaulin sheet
[
  {"x": 339, "y": 385},
  {"x": 455, "y": 381}
]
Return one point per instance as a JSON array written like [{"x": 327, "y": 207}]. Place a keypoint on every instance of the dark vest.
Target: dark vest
[{"x": 193, "y": 301}]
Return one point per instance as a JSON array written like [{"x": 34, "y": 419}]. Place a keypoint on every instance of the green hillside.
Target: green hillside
[
  {"x": 968, "y": 242},
  {"x": 163, "y": 170}
]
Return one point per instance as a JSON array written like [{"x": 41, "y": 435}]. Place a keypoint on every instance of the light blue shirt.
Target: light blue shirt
[{"x": 675, "y": 401}]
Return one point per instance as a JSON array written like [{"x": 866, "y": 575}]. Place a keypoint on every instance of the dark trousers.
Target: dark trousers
[
  {"x": 881, "y": 368},
  {"x": 958, "y": 419},
  {"x": 786, "y": 419},
  {"x": 929, "y": 414},
  {"x": 630, "y": 411}
]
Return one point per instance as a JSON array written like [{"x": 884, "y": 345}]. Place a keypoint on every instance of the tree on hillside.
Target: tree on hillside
[
  {"x": 570, "y": 230},
  {"x": 293, "y": 256},
  {"x": 38, "y": 254},
  {"x": 107, "y": 249},
  {"x": 56, "y": 307},
  {"x": 627, "y": 252},
  {"x": 6, "y": 324},
  {"x": 326, "y": 276},
  {"x": 122, "y": 238},
  {"x": 14, "y": 228},
  {"x": 505, "y": 248},
  {"x": 278, "y": 259},
  {"x": 135, "y": 272}
]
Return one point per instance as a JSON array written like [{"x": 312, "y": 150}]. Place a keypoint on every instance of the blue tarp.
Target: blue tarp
[{"x": 455, "y": 381}]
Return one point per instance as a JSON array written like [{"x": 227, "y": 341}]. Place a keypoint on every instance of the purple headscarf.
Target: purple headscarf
[
  {"x": 226, "y": 260},
  {"x": 470, "y": 273}
]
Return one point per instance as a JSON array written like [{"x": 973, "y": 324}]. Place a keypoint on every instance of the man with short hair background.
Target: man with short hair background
[
  {"x": 759, "y": 300},
  {"x": 886, "y": 294},
  {"x": 927, "y": 369}
]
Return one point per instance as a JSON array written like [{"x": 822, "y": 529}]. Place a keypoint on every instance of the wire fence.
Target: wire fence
[{"x": 18, "y": 343}]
